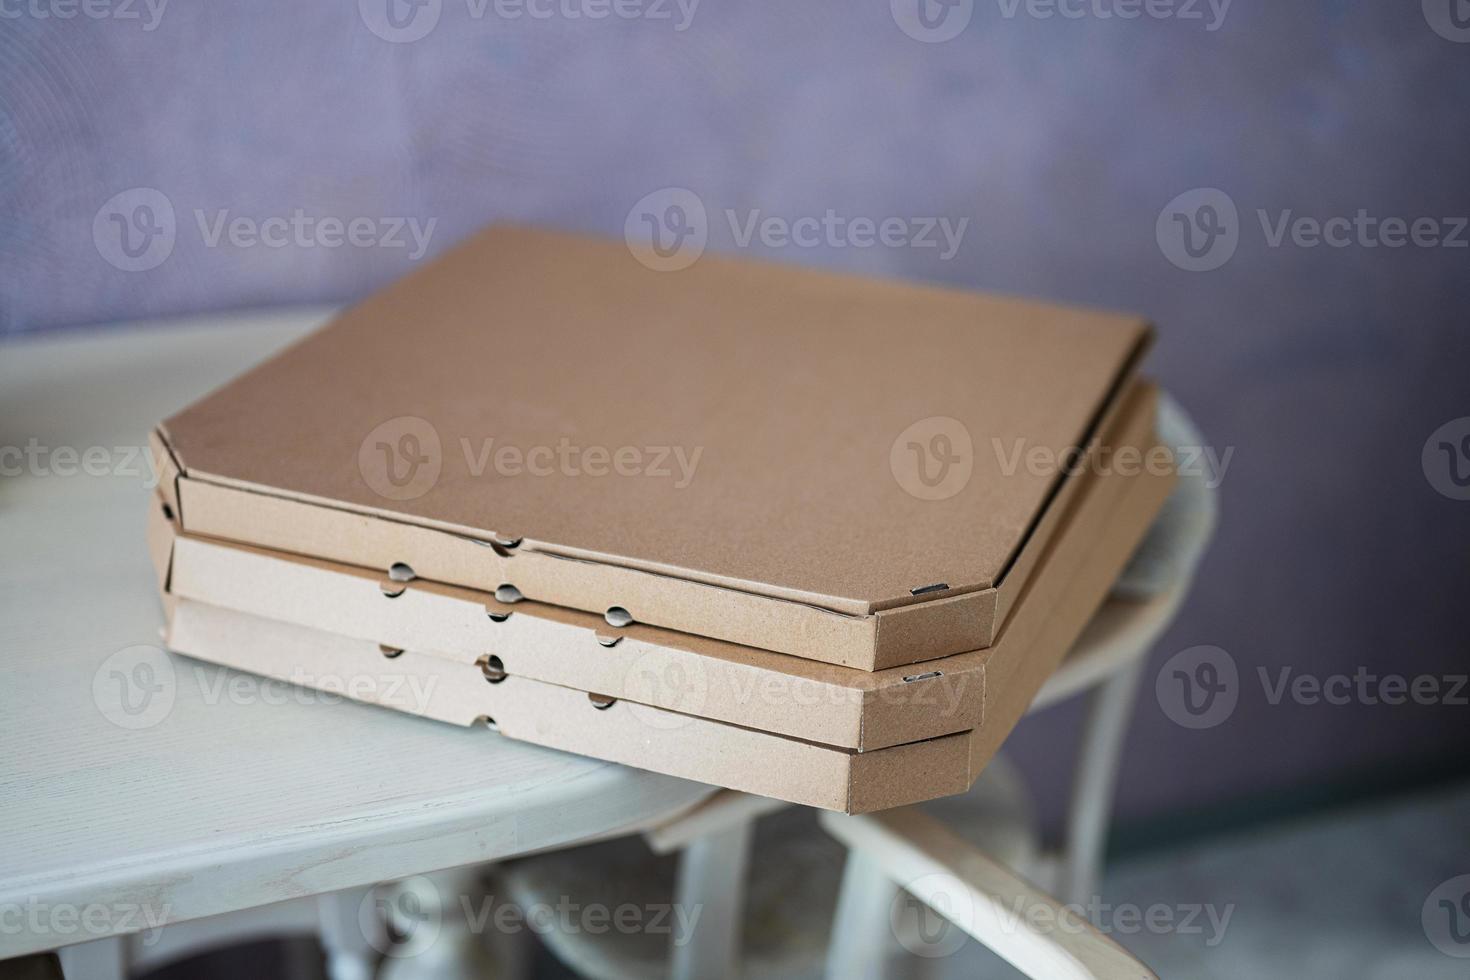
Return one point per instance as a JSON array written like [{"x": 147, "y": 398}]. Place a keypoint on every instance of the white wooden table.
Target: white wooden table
[{"x": 128, "y": 797}]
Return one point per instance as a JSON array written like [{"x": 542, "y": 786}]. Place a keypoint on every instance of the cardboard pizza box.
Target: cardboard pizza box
[
  {"x": 693, "y": 675},
  {"x": 574, "y": 721},
  {"x": 856, "y": 472}
]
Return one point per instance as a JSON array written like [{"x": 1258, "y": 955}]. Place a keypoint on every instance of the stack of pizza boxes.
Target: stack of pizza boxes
[{"x": 807, "y": 536}]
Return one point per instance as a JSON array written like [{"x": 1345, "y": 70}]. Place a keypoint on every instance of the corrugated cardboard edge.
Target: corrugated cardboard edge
[
  {"x": 166, "y": 468},
  {"x": 896, "y": 635},
  {"x": 740, "y": 685},
  {"x": 1076, "y": 572},
  {"x": 561, "y": 718},
  {"x": 1114, "y": 547}
]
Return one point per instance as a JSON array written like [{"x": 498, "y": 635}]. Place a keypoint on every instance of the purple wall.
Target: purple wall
[{"x": 1061, "y": 140}]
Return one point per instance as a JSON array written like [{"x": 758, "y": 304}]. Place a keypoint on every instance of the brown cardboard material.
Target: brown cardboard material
[
  {"x": 804, "y": 394},
  {"x": 566, "y": 719},
  {"x": 693, "y": 675},
  {"x": 1054, "y": 637},
  {"x": 680, "y": 744},
  {"x": 161, "y": 533}
]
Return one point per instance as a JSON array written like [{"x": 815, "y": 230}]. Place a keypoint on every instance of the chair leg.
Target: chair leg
[
  {"x": 862, "y": 932},
  {"x": 711, "y": 886},
  {"x": 1109, "y": 709}
]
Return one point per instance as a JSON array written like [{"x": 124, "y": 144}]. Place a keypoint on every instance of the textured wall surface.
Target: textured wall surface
[{"x": 1061, "y": 141}]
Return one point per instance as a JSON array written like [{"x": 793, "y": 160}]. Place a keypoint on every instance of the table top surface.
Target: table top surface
[{"x": 134, "y": 785}]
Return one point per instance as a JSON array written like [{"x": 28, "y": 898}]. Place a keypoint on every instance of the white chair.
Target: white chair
[{"x": 765, "y": 889}]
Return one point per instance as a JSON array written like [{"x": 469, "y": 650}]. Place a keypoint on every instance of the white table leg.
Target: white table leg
[
  {"x": 351, "y": 940},
  {"x": 862, "y": 932},
  {"x": 712, "y": 881},
  {"x": 100, "y": 959}
]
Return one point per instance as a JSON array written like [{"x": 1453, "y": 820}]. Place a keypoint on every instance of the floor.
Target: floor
[{"x": 1334, "y": 896}]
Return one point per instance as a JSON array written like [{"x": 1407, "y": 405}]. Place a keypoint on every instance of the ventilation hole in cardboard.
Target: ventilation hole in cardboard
[
  {"x": 508, "y": 593},
  {"x": 497, "y": 617},
  {"x": 401, "y": 571},
  {"x": 488, "y": 722},
  {"x": 493, "y": 668},
  {"x": 609, "y": 641},
  {"x": 389, "y": 652},
  {"x": 504, "y": 546},
  {"x": 618, "y": 617},
  {"x": 168, "y": 511},
  {"x": 601, "y": 701},
  {"x": 926, "y": 589},
  {"x": 391, "y": 589},
  {"x": 923, "y": 677}
]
